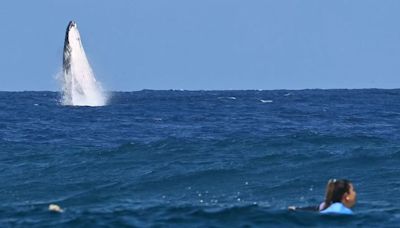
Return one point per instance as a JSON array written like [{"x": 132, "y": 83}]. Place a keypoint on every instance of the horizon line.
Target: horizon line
[{"x": 195, "y": 90}]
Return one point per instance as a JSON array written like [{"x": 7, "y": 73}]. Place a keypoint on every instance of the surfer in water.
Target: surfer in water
[{"x": 339, "y": 198}]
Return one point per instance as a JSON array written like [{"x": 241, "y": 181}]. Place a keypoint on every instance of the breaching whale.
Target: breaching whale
[{"x": 79, "y": 84}]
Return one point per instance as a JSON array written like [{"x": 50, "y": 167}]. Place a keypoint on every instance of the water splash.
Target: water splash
[{"x": 79, "y": 86}]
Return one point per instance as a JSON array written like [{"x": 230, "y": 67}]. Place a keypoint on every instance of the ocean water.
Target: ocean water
[{"x": 198, "y": 158}]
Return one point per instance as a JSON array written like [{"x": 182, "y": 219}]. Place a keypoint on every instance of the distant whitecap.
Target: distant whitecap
[
  {"x": 229, "y": 98},
  {"x": 266, "y": 101}
]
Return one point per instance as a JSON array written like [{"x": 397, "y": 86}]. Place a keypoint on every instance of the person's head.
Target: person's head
[{"x": 340, "y": 190}]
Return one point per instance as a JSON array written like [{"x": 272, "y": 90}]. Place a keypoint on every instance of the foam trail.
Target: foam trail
[{"x": 79, "y": 86}]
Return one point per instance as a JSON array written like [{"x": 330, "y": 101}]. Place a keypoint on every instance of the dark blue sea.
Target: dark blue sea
[{"x": 198, "y": 158}]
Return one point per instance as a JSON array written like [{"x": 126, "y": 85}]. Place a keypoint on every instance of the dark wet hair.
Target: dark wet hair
[{"x": 335, "y": 189}]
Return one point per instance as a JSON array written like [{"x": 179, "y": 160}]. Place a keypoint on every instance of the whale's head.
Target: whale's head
[
  {"x": 71, "y": 24},
  {"x": 72, "y": 39},
  {"x": 72, "y": 30}
]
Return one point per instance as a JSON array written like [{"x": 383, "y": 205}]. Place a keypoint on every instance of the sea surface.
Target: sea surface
[{"x": 198, "y": 158}]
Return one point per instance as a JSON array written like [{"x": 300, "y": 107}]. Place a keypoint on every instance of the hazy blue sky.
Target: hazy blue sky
[{"x": 206, "y": 44}]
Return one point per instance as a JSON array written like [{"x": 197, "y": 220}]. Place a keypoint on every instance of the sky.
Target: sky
[{"x": 205, "y": 44}]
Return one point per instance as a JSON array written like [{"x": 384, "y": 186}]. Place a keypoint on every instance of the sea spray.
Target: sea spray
[{"x": 79, "y": 86}]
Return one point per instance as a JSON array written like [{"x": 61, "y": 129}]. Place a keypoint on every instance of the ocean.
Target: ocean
[{"x": 198, "y": 158}]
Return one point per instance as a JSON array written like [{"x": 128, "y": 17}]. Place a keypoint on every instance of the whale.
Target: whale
[{"x": 79, "y": 85}]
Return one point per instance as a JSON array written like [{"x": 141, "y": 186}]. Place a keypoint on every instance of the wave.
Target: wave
[{"x": 188, "y": 215}]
